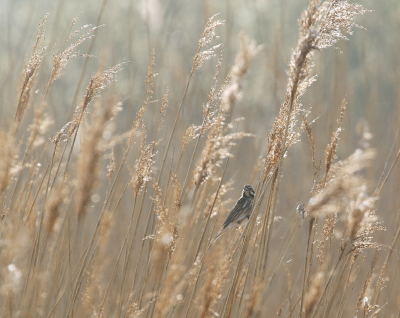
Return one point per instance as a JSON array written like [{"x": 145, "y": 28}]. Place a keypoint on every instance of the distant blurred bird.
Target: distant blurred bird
[
  {"x": 240, "y": 212},
  {"x": 300, "y": 209}
]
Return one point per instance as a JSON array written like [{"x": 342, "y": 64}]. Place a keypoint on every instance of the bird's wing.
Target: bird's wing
[{"x": 241, "y": 205}]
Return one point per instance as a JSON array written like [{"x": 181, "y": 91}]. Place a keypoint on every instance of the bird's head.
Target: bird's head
[{"x": 248, "y": 191}]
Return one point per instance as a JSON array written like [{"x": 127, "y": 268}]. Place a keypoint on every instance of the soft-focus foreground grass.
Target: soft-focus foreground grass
[{"x": 125, "y": 143}]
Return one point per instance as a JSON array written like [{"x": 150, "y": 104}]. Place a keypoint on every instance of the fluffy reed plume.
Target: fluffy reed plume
[
  {"x": 53, "y": 207},
  {"x": 163, "y": 109},
  {"x": 218, "y": 205},
  {"x": 362, "y": 223},
  {"x": 61, "y": 60},
  {"x": 363, "y": 301},
  {"x": 9, "y": 165},
  {"x": 111, "y": 166},
  {"x": 330, "y": 152},
  {"x": 307, "y": 127},
  {"x": 218, "y": 143},
  {"x": 165, "y": 232},
  {"x": 176, "y": 196},
  {"x": 97, "y": 83},
  {"x": 283, "y": 132},
  {"x": 314, "y": 290},
  {"x": 201, "y": 55},
  {"x": 88, "y": 160},
  {"x": 134, "y": 311},
  {"x": 206, "y": 38},
  {"x": 149, "y": 83},
  {"x": 30, "y": 71},
  {"x": 39, "y": 128},
  {"x": 205, "y": 306},
  {"x": 176, "y": 279},
  {"x": 345, "y": 193},
  {"x": 143, "y": 165},
  {"x": 219, "y": 279},
  {"x": 164, "y": 241},
  {"x": 342, "y": 186},
  {"x": 190, "y": 133},
  {"x": 321, "y": 25},
  {"x": 233, "y": 92},
  {"x": 216, "y": 149},
  {"x": 327, "y": 234}
]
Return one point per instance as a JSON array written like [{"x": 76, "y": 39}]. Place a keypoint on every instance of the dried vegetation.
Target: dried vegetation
[{"x": 108, "y": 223}]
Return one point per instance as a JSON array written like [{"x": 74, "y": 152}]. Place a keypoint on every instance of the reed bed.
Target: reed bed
[{"x": 111, "y": 203}]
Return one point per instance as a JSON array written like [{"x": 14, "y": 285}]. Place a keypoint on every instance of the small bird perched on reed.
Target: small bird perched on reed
[{"x": 240, "y": 212}]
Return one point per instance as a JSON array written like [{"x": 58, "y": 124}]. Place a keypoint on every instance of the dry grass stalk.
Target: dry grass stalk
[
  {"x": 330, "y": 152},
  {"x": 39, "y": 128},
  {"x": 220, "y": 279},
  {"x": 61, "y": 60},
  {"x": 201, "y": 55},
  {"x": 53, "y": 207},
  {"x": 176, "y": 197},
  {"x": 362, "y": 223},
  {"x": 341, "y": 189},
  {"x": 149, "y": 91},
  {"x": 217, "y": 145},
  {"x": 206, "y": 38},
  {"x": 8, "y": 163},
  {"x": 163, "y": 109},
  {"x": 111, "y": 166},
  {"x": 232, "y": 93},
  {"x": 217, "y": 148},
  {"x": 316, "y": 166},
  {"x": 214, "y": 97},
  {"x": 314, "y": 291},
  {"x": 30, "y": 71},
  {"x": 165, "y": 226},
  {"x": 219, "y": 205},
  {"x": 97, "y": 83},
  {"x": 205, "y": 307},
  {"x": 176, "y": 279},
  {"x": 327, "y": 234},
  {"x": 134, "y": 129},
  {"x": 143, "y": 165},
  {"x": 165, "y": 240},
  {"x": 362, "y": 298},
  {"x": 190, "y": 134},
  {"x": 89, "y": 157},
  {"x": 210, "y": 120},
  {"x": 320, "y": 26},
  {"x": 310, "y": 138}
]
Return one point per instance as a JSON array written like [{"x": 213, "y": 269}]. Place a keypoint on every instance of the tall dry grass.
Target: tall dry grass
[{"x": 109, "y": 215}]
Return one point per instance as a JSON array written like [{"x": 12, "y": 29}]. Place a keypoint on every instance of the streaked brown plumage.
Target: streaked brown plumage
[{"x": 241, "y": 210}]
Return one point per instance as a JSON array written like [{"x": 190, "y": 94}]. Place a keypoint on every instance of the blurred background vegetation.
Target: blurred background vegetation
[{"x": 364, "y": 71}]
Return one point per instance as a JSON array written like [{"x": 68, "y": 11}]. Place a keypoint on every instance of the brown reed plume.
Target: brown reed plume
[
  {"x": 90, "y": 154},
  {"x": 30, "y": 71}
]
